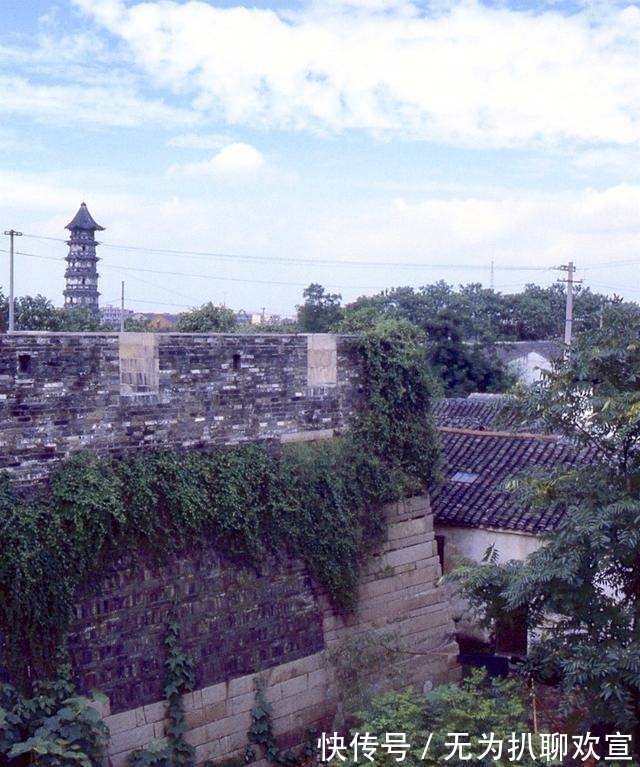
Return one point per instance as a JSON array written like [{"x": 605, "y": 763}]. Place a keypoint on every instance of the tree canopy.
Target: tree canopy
[
  {"x": 207, "y": 318},
  {"x": 320, "y": 312},
  {"x": 582, "y": 588},
  {"x": 39, "y": 313}
]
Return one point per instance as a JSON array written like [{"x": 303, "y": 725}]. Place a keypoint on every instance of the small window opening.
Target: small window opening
[
  {"x": 440, "y": 550},
  {"x": 24, "y": 363},
  {"x": 511, "y": 632},
  {"x": 236, "y": 361}
]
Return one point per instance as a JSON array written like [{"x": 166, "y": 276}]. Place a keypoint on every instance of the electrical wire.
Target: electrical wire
[
  {"x": 252, "y": 281},
  {"x": 302, "y": 261}
]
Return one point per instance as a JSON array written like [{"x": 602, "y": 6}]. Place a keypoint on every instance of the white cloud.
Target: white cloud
[
  {"x": 200, "y": 141},
  {"x": 71, "y": 104},
  {"x": 237, "y": 158},
  {"x": 521, "y": 229},
  {"x": 525, "y": 229},
  {"x": 622, "y": 161},
  {"x": 467, "y": 74}
]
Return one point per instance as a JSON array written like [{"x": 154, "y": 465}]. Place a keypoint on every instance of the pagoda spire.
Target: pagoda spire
[{"x": 81, "y": 274}]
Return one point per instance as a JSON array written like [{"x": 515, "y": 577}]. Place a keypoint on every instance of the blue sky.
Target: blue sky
[{"x": 238, "y": 153}]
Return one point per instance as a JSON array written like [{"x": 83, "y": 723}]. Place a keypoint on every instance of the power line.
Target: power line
[
  {"x": 611, "y": 264},
  {"x": 252, "y": 281},
  {"x": 161, "y": 287},
  {"x": 303, "y": 261},
  {"x": 159, "y": 303}
]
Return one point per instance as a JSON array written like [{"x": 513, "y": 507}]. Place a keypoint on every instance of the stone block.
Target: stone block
[
  {"x": 409, "y": 554},
  {"x": 322, "y": 360},
  {"x": 123, "y": 722},
  {"x": 319, "y": 678},
  {"x": 242, "y": 703},
  {"x": 206, "y": 714},
  {"x": 214, "y": 694},
  {"x": 154, "y": 712},
  {"x": 322, "y": 342},
  {"x": 305, "y": 699},
  {"x": 298, "y": 667},
  {"x": 307, "y": 436},
  {"x": 407, "y": 528},
  {"x": 295, "y": 685},
  {"x": 129, "y": 740},
  {"x": 240, "y": 686}
]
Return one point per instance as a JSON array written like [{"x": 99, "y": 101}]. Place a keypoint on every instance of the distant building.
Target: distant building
[
  {"x": 81, "y": 274},
  {"x": 110, "y": 315},
  {"x": 242, "y": 317},
  {"x": 163, "y": 321},
  {"x": 528, "y": 359},
  {"x": 256, "y": 318},
  {"x": 260, "y": 318}
]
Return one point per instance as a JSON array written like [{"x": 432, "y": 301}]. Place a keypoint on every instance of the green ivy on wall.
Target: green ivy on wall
[
  {"x": 172, "y": 750},
  {"x": 319, "y": 501}
]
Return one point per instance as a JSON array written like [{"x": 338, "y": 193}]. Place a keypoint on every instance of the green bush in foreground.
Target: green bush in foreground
[{"x": 478, "y": 706}]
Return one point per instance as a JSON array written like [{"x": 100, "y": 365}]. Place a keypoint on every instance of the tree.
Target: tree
[
  {"x": 31, "y": 313},
  {"x": 38, "y": 313},
  {"x": 321, "y": 311},
  {"x": 477, "y": 707},
  {"x": 80, "y": 319},
  {"x": 449, "y": 321},
  {"x": 207, "y": 318},
  {"x": 582, "y": 589},
  {"x": 138, "y": 324}
]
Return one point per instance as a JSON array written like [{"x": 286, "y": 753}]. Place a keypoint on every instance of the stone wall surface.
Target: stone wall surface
[
  {"x": 238, "y": 623},
  {"x": 62, "y": 393},
  {"x": 233, "y": 621},
  {"x": 110, "y": 393}
]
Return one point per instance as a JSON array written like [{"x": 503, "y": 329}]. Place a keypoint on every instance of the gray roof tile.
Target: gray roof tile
[{"x": 495, "y": 457}]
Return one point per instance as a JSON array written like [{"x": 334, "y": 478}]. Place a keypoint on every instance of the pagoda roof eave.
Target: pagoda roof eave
[{"x": 84, "y": 220}]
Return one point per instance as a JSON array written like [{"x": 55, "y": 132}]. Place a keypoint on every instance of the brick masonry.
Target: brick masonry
[
  {"x": 62, "y": 393},
  {"x": 282, "y": 628},
  {"x": 110, "y": 393},
  {"x": 233, "y": 621}
]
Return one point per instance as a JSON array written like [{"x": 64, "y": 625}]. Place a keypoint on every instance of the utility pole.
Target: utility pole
[
  {"x": 570, "y": 269},
  {"x": 11, "y": 233},
  {"x": 491, "y": 280},
  {"x": 122, "y": 308}
]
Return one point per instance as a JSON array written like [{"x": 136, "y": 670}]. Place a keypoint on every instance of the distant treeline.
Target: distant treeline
[{"x": 460, "y": 326}]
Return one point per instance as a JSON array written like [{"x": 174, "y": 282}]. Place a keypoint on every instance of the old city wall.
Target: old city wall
[
  {"x": 240, "y": 623},
  {"x": 65, "y": 392}
]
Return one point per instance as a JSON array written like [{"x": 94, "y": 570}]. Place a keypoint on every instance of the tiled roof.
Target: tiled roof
[
  {"x": 478, "y": 411},
  {"x": 476, "y": 465},
  {"x": 84, "y": 220}
]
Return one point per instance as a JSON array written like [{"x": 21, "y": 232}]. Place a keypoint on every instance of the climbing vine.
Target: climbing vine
[
  {"x": 174, "y": 751},
  {"x": 261, "y": 734},
  {"x": 320, "y": 501},
  {"x": 396, "y": 424}
]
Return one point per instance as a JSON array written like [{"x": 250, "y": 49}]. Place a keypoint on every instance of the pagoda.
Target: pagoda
[{"x": 81, "y": 273}]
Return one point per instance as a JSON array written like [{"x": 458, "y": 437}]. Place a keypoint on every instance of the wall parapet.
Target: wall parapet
[{"x": 112, "y": 393}]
